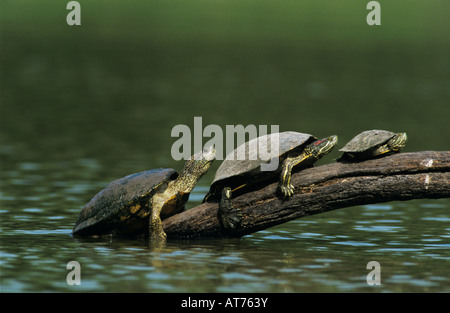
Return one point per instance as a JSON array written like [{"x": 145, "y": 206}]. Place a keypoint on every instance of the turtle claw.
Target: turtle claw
[{"x": 287, "y": 191}]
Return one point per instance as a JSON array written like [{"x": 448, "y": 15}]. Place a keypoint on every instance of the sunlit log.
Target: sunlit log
[{"x": 403, "y": 176}]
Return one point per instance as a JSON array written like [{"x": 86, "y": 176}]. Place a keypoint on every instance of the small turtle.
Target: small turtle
[
  {"x": 371, "y": 144},
  {"x": 295, "y": 151},
  {"x": 135, "y": 203}
]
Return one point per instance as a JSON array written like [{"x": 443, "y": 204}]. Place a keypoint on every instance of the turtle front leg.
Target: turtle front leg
[
  {"x": 229, "y": 216},
  {"x": 284, "y": 184},
  {"x": 155, "y": 229}
]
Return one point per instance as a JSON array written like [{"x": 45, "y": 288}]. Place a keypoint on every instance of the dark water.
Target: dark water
[{"x": 81, "y": 106}]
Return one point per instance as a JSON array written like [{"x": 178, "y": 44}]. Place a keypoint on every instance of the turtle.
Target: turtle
[
  {"x": 136, "y": 203},
  {"x": 372, "y": 144},
  {"x": 235, "y": 175}
]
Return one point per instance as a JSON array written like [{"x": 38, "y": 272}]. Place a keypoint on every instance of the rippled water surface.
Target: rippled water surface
[{"x": 83, "y": 105}]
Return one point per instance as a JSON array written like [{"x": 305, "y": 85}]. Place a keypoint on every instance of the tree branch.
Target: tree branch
[{"x": 403, "y": 176}]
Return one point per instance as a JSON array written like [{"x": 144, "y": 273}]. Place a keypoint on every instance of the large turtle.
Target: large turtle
[
  {"x": 135, "y": 203},
  {"x": 235, "y": 175},
  {"x": 372, "y": 144}
]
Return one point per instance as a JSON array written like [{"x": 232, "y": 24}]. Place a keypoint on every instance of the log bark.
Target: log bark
[{"x": 403, "y": 176}]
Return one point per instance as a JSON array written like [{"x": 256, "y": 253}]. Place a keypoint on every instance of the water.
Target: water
[
  {"x": 83, "y": 106},
  {"x": 410, "y": 240}
]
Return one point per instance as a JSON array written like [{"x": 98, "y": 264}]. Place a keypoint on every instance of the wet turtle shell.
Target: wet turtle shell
[
  {"x": 123, "y": 206},
  {"x": 368, "y": 140},
  {"x": 234, "y": 172}
]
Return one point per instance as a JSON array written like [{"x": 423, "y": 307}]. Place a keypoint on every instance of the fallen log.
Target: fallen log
[{"x": 403, "y": 176}]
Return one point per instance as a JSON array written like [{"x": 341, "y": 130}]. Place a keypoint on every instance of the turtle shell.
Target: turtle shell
[
  {"x": 234, "y": 167},
  {"x": 367, "y": 140},
  {"x": 122, "y": 207}
]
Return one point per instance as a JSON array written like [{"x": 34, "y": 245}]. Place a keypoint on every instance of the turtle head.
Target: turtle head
[
  {"x": 194, "y": 169},
  {"x": 397, "y": 142},
  {"x": 323, "y": 146}
]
